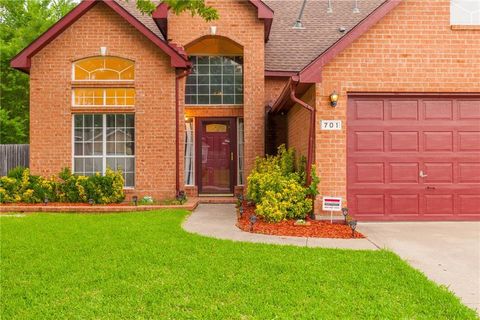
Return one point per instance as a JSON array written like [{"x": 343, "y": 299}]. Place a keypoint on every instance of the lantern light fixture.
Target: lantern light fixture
[
  {"x": 135, "y": 200},
  {"x": 353, "y": 225},
  {"x": 91, "y": 202},
  {"x": 253, "y": 219},
  {"x": 45, "y": 201},
  {"x": 345, "y": 214},
  {"x": 333, "y": 98}
]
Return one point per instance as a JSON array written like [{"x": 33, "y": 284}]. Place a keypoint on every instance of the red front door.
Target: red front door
[{"x": 215, "y": 155}]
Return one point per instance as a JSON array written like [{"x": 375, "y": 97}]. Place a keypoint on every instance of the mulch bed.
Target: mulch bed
[{"x": 315, "y": 229}]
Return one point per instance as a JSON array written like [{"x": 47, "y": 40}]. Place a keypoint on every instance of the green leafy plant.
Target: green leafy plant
[
  {"x": 21, "y": 186},
  {"x": 146, "y": 200},
  {"x": 278, "y": 188}
]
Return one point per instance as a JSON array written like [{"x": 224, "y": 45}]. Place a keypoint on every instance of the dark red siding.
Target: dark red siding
[{"x": 392, "y": 140}]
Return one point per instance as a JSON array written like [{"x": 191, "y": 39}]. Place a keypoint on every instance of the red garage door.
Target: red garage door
[{"x": 414, "y": 157}]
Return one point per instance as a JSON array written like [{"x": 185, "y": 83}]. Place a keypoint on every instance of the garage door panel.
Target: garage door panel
[
  {"x": 469, "y": 141},
  {"x": 370, "y": 204},
  {"x": 469, "y": 204},
  {"x": 369, "y": 141},
  {"x": 405, "y": 204},
  {"x": 403, "y": 141},
  {"x": 413, "y": 157},
  {"x": 439, "y": 204},
  {"x": 370, "y": 172},
  {"x": 404, "y": 110},
  {"x": 369, "y": 110},
  {"x": 469, "y": 110},
  {"x": 438, "y": 109},
  {"x": 438, "y": 172},
  {"x": 404, "y": 172},
  {"x": 438, "y": 141},
  {"x": 469, "y": 173}
]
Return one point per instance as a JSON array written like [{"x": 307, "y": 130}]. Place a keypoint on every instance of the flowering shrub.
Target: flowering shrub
[
  {"x": 278, "y": 188},
  {"x": 20, "y": 186}
]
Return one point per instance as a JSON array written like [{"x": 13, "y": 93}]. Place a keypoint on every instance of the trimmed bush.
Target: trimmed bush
[
  {"x": 278, "y": 188},
  {"x": 20, "y": 186}
]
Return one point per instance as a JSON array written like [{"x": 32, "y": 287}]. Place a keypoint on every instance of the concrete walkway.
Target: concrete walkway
[
  {"x": 447, "y": 252},
  {"x": 218, "y": 221}
]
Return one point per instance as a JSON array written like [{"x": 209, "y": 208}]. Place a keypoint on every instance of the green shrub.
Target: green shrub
[
  {"x": 20, "y": 186},
  {"x": 278, "y": 188}
]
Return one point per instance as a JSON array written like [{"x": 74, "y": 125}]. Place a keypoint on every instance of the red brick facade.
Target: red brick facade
[
  {"x": 412, "y": 49},
  {"x": 51, "y": 99}
]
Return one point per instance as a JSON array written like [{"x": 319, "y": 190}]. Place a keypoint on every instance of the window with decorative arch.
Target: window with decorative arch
[
  {"x": 98, "y": 70},
  {"x": 104, "y": 140}
]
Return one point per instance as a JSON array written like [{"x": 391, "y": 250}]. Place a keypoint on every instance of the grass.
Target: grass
[{"x": 143, "y": 265}]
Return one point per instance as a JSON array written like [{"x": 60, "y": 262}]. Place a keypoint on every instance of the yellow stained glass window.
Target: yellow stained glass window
[
  {"x": 94, "y": 97},
  {"x": 103, "y": 68}
]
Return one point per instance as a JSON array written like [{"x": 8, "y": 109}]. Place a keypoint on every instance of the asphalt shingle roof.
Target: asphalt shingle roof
[
  {"x": 146, "y": 20},
  {"x": 290, "y": 49}
]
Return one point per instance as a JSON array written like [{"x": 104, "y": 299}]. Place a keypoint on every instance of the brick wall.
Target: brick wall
[
  {"x": 298, "y": 122},
  {"x": 238, "y": 22},
  {"x": 412, "y": 49},
  {"x": 50, "y": 101}
]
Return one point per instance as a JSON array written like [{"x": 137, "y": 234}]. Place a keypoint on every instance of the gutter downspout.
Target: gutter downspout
[
  {"x": 183, "y": 74},
  {"x": 311, "y": 135}
]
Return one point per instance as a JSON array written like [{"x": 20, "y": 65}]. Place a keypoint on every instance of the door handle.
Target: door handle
[
  {"x": 422, "y": 174},
  {"x": 231, "y": 156}
]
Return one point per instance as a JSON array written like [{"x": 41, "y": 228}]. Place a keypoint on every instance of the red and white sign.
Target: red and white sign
[{"x": 332, "y": 204}]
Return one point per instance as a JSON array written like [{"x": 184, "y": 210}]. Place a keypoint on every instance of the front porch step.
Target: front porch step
[{"x": 216, "y": 200}]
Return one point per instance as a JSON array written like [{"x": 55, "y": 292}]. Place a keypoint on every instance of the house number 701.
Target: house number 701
[{"x": 331, "y": 125}]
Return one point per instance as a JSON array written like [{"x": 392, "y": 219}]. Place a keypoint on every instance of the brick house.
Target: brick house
[{"x": 181, "y": 104}]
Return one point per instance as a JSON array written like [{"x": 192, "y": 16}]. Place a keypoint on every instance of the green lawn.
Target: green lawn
[{"x": 143, "y": 265}]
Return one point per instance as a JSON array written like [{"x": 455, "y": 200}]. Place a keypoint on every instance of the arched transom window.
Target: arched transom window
[{"x": 103, "y": 69}]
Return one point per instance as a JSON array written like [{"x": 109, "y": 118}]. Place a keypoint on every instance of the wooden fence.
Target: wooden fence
[{"x": 13, "y": 155}]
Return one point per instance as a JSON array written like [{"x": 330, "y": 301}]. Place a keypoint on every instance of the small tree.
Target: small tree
[{"x": 195, "y": 7}]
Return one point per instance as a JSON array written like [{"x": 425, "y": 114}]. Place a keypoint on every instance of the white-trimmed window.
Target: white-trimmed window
[
  {"x": 465, "y": 12},
  {"x": 104, "y": 140},
  {"x": 240, "y": 152},
  {"x": 189, "y": 153},
  {"x": 215, "y": 80},
  {"x": 103, "y": 97}
]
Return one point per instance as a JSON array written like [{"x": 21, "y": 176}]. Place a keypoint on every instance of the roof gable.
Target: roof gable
[
  {"x": 264, "y": 12},
  {"x": 312, "y": 72},
  {"x": 22, "y": 60}
]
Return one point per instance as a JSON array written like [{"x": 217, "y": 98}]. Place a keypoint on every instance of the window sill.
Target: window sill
[
  {"x": 101, "y": 109},
  {"x": 95, "y": 84},
  {"x": 464, "y": 27}
]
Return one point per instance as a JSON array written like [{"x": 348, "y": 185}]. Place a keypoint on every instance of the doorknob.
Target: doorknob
[{"x": 422, "y": 174}]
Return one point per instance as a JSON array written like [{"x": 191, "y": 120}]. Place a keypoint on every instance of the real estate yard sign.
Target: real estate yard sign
[{"x": 331, "y": 204}]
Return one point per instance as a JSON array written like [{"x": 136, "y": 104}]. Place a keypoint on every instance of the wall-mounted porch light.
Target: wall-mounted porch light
[
  {"x": 333, "y": 98},
  {"x": 103, "y": 51}
]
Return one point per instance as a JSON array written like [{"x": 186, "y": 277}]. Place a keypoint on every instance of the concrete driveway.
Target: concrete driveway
[{"x": 446, "y": 252}]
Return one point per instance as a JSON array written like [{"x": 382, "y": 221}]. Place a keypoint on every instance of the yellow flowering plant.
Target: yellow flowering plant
[{"x": 277, "y": 187}]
